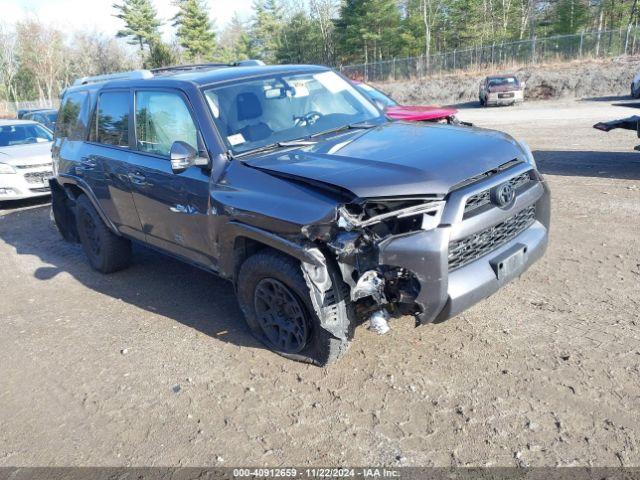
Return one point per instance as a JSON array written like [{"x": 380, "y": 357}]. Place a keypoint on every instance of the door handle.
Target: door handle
[
  {"x": 88, "y": 163},
  {"x": 137, "y": 179}
]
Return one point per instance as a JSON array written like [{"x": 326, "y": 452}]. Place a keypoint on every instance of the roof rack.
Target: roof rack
[
  {"x": 207, "y": 66},
  {"x": 132, "y": 75},
  {"x": 147, "y": 74},
  {"x": 186, "y": 68}
]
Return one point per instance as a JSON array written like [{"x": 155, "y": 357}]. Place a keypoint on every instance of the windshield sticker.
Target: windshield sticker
[
  {"x": 236, "y": 139},
  {"x": 300, "y": 89},
  {"x": 331, "y": 82}
]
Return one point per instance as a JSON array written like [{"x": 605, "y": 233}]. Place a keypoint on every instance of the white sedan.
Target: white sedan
[{"x": 25, "y": 159}]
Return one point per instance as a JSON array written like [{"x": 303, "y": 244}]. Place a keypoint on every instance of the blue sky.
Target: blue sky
[{"x": 96, "y": 15}]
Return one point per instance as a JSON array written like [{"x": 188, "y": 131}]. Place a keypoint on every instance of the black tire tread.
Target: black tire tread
[
  {"x": 115, "y": 251},
  {"x": 323, "y": 348}
]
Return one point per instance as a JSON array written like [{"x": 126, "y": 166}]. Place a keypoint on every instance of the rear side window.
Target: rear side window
[
  {"x": 161, "y": 119},
  {"x": 72, "y": 121},
  {"x": 113, "y": 119}
]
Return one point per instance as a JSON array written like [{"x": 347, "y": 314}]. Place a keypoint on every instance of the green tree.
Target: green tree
[
  {"x": 369, "y": 30},
  {"x": 161, "y": 55},
  {"x": 141, "y": 22},
  {"x": 570, "y": 16},
  {"x": 301, "y": 41},
  {"x": 194, "y": 30},
  {"x": 235, "y": 42},
  {"x": 266, "y": 28}
]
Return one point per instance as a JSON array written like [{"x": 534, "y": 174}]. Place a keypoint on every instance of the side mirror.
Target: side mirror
[{"x": 184, "y": 156}]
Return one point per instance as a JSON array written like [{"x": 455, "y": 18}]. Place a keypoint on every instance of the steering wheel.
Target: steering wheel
[
  {"x": 307, "y": 119},
  {"x": 31, "y": 140}
]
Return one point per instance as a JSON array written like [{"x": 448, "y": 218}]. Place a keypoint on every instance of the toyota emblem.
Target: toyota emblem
[{"x": 504, "y": 195}]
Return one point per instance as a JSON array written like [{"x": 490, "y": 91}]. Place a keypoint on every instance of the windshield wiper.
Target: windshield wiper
[
  {"x": 274, "y": 146},
  {"x": 353, "y": 126}
]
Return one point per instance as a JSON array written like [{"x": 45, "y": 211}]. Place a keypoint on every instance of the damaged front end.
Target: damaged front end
[{"x": 353, "y": 238}]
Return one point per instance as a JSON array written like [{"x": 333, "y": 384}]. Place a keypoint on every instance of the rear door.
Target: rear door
[
  {"x": 173, "y": 208},
  {"x": 104, "y": 164}
]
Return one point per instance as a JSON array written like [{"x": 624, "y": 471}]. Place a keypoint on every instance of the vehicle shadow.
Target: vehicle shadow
[
  {"x": 622, "y": 165},
  {"x": 13, "y": 205},
  {"x": 154, "y": 283},
  {"x": 607, "y": 98},
  {"x": 616, "y": 101}
]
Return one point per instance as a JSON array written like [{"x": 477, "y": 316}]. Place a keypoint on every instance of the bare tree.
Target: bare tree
[
  {"x": 323, "y": 12},
  {"x": 8, "y": 62},
  {"x": 42, "y": 52}
]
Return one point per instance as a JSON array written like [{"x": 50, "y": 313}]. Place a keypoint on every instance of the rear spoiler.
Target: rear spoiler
[{"x": 631, "y": 123}]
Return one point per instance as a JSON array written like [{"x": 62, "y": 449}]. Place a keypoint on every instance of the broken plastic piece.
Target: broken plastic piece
[
  {"x": 370, "y": 284},
  {"x": 379, "y": 322},
  {"x": 349, "y": 221}
]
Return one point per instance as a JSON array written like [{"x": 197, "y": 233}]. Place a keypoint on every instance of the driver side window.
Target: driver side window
[{"x": 163, "y": 118}]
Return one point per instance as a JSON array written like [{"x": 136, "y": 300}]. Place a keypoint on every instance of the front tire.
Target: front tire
[
  {"x": 276, "y": 303},
  {"x": 106, "y": 251}
]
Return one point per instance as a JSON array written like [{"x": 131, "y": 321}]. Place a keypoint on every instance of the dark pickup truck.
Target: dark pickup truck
[{"x": 294, "y": 186}]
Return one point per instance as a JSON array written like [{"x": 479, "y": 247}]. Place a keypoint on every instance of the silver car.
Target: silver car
[{"x": 25, "y": 159}]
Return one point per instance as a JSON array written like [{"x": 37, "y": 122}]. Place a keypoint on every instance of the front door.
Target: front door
[{"x": 173, "y": 208}]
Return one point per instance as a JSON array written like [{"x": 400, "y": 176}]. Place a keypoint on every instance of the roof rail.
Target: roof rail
[
  {"x": 132, "y": 75},
  {"x": 249, "y": 63},
  {"x": 205, "y": 66},
  {"x": 186, "y": 68}
]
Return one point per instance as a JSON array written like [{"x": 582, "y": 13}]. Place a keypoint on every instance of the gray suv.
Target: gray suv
[{"x": 291, "y": 184}]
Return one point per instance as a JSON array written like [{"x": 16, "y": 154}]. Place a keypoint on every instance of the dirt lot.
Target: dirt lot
[{"x": 153, "y": 366}]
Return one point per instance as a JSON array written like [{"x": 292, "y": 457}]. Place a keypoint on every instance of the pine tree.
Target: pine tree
[
  {"x": 235, "y": 41},
  {"x": 194, "y": 30},
  {"x": 141, "y": 22},
  {"x": 266, "y": 29}
]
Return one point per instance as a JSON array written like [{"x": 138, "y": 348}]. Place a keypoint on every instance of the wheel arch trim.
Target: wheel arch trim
[{"x": 82, "y": 185}]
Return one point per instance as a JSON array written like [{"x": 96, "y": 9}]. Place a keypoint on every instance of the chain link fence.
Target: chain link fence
[{"x": 603, "y": 44}]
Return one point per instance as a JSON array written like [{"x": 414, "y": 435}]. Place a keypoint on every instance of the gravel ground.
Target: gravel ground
[{"x": 153, "y": 365}]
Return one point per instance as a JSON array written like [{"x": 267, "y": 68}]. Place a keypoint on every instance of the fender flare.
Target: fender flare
[
  {"x": 84, "y": 187},
  {"x": 234, "y": 230}
]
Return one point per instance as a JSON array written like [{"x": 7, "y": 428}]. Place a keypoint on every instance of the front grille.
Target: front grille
[
  {"x": 40, "y": 190},
  {"x": 479, "y": 200},
  {"x": 479, "y": 244},
  {"x": 37, "y": 177}
]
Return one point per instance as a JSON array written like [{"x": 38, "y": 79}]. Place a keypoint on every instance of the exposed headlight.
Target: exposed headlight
[
  {"x": 527, "y": 154},
  {"x": 5, "y": 168}
]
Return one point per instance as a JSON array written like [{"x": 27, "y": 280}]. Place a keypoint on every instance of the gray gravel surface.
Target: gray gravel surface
[{"x": 154, "y": 366}]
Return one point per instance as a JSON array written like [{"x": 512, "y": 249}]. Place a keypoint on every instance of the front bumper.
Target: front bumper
[
  {"x": 25, "y": 183},
  {"x": 444, "y": 293}
]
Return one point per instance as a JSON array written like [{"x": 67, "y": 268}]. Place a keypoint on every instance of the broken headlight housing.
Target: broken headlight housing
[{"x": 392, "y": 216}]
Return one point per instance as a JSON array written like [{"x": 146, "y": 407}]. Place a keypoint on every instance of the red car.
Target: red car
[{"x": 413, "y": 113}]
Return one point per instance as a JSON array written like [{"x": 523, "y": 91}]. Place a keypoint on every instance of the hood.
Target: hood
[
  {"x": 396, "y": 158},
  {"x": 30, "y": 154},
  {"x": 419, "y": 113}
]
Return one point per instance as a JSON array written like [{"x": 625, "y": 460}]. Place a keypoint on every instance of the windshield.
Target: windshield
[
  {"x": 52, "y": 117},
  {"x": 505, "y": 81},
  {"x": 376, "y": 95},
  {"x": 23, "y": 134},
  {"x": 251, "y": 114}
]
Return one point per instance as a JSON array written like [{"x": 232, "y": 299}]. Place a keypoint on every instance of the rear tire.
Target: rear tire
[
  {"x": 276, "y": 303},
  {"x": 106, "y": 251}
]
